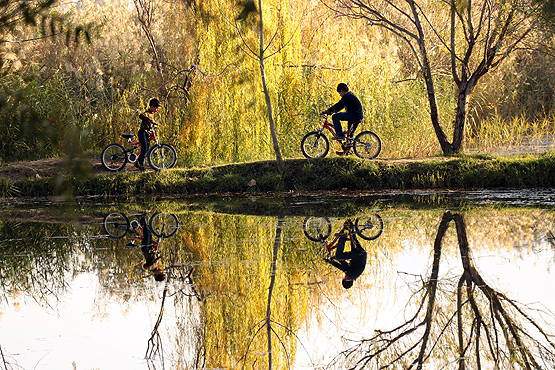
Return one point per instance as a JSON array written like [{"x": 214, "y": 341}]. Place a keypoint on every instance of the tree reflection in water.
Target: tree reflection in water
[{"x": 477, "y": 327}]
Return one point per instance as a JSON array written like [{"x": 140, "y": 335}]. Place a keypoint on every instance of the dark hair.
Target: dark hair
[
  {"x": 347, "y": 283},
  {"x": 342, "y": 87},
  {"x": 154, "y": 103}
]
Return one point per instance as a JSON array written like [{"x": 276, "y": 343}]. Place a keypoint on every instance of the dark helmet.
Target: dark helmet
[{"x": 154, "y": 103}]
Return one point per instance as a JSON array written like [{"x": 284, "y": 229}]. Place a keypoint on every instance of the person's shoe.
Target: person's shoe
[
  {"x": 141, "y": 168},
  {"x": 341, "y": 153},
  {"x": 339, "y": 138},
  {"x": 136, "y": 164}
]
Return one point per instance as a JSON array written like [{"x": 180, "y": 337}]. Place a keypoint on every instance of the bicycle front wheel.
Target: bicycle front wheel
[
  {"x": 164, "y": 224},
  {"x": 113, "y": 157},
  {"x": 315, "y": 145},
  {"x": 162, "y": 156},
  {"x": 367, "y": 145},
  {"x": 116, "y": 225},
  {"x": 317, "y": 228}
]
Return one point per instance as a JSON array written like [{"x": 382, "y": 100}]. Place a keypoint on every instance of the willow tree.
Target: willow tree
[
  {"x": 260, "y": 52},
  {"x": 461, "y": 38}
]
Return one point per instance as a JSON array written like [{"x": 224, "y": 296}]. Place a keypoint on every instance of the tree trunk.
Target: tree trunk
[{"x": 275, "y": 142}]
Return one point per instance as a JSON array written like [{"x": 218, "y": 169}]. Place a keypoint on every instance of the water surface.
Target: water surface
[{"x": 465, "y": 279}]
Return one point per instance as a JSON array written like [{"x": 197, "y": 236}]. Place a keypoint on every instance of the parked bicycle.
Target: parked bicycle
[
  {"x": 318, "y": 229},
  {"x": 160, "y": 156},
  {"x": 366, "y": 144},
  {"x": 117, "y": 225}
]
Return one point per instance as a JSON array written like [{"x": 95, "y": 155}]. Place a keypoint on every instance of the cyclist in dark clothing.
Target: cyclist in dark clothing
[
  {"x": 352, "y": 263},
  {"x": 147, "y": 121},
  {"x": 150, "y": 252},
  {"x": 353, "y": 111}
]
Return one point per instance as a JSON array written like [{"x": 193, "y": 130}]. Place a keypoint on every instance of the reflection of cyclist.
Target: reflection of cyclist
[
  {"x": 151, "y": 252},
  {"x": 352, "y": 263}
]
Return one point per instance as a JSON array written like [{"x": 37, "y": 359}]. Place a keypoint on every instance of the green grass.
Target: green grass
[{"x": 304, "y": 175}]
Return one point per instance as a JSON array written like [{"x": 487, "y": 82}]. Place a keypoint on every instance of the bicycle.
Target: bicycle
[
  {"x": 117, "y": 225},
  {"x": 114, "y": 157},
  {"x": 318, "y": 229},
  {"x": 366, "y": 144}
]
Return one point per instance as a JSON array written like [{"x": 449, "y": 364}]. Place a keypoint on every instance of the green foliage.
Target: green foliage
[
  {"x": 328, "y": 174},
  {"x": 213, "y": 107}
]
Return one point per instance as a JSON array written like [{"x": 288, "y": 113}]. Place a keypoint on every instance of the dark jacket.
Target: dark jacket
[
  {"x": 351, "y": 104},
  {"x": 147, "y": 120},
  {"x": 354, "y": 267}
]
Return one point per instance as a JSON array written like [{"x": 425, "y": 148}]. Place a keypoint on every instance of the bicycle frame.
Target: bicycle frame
[
  {"x": 329, "y": 126},
  {"x": 331, "y": 246},
  {"x": 137, "y": 144}
]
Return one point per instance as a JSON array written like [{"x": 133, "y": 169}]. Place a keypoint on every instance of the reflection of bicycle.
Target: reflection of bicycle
[
  {"x": 318, "y": 229},
  {"x": 161, "y": 155},
  {"x": 315, "y": 144},
  {"x": 117, "y": 225}
]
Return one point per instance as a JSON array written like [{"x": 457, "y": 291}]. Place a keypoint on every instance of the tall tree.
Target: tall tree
[
  {"x": 260, "y": 54},
  {"x": 474, "y": 36}
]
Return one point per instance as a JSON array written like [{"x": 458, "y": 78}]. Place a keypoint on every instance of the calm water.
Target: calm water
[{"x": 447, "y": 277}]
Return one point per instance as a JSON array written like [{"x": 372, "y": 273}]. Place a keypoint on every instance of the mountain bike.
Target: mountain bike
[
  {"x": 318, "y": 229},
  {"x": 160, "y": 156},
  {"x": 117, "y": 225},
  {"x": 366, "y": 144}
]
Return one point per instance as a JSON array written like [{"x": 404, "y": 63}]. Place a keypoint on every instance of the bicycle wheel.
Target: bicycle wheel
[
  {"x": 317, "y": 228},
  {"x": 315, "y": 145},
  {"x": 113, "y": 157},
  {"x": 116, "y": 225},
  {"x": 369, "y": 227},
  {"x": 162, "y": 156},
  {"x": 163, "y": 224},
  {"x": 367, "y": 145}
]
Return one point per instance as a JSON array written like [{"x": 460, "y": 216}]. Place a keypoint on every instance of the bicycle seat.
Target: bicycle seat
[{"x": 127, "y": 136}]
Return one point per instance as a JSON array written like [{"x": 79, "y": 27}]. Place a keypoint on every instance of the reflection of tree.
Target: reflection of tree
[
  {"x": 269, "y": 322},
  {"x": 36, "y": 258},
  {"x": 479, "y": 328}
]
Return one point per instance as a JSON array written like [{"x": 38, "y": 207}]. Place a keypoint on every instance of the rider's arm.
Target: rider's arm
[
  {"x": 147, "y": 120},
  {"x": 342, "y": 265},
  {"x": 336, "y": 107}
]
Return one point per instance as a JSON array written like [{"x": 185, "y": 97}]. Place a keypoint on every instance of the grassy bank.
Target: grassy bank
[{"x": 326, "y": 174}]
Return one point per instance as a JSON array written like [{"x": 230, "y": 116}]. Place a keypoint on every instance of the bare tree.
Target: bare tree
[
  {"x": 145, "y": 14},
  {"x": 260, "y": 54},
  {"x": 475, "y": 36},
  {"x": 475, "y": 326}
]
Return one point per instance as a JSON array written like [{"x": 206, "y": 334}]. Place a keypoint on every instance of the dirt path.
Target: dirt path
[{"x": 45, "y": 168}]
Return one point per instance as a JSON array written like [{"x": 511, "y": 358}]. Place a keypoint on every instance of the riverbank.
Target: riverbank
[{"x": 300, "y": 175}]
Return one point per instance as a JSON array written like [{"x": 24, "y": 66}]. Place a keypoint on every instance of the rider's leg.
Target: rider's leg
[
  {"x": 337, "y": 118},
  {"x": 353, "y": 127},
  {"x": 340, "y": 245},
  {"x": 143, "y": 139}
]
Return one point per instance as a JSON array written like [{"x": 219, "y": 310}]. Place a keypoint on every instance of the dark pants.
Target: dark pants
[
  {"x": 355, "y": 252},
  {"x": 343, "y": 116},
  {"x": 143, "y": 139}
]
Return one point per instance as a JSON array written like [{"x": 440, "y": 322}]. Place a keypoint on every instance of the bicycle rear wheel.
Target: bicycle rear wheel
[
  {"x": 369, "y": 227},
  {"x": 317, "y": 228},
  {"x": 163, "y": 224},
  {"x": 162, "y": 156},
  {"x": 113, "y": 157},
  {"x": 116, "y": 225},
  {"x": 367, "y": 145},
  {"x": 315, "y": 145}
]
